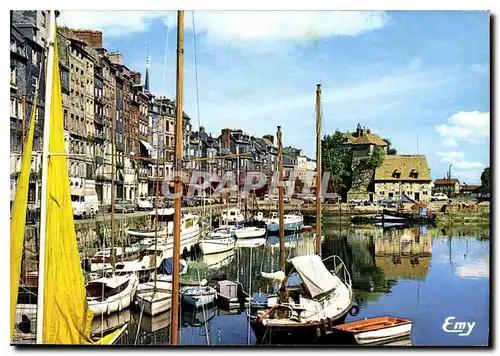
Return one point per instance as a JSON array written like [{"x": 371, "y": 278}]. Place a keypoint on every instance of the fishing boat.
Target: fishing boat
[
  {"x": 233, "y": 216},
  {"x": 293, "y": 222},
  {"x": 110, "y": 294},
  {"x": 377, "y": 330},
  {"x": 307, "y": 312},
  {"x": 198, "y": 296},
  {"x": 230, "y": 294},
  {"x": 63, "y": 314},
  {"x": 249, "y": 232}
]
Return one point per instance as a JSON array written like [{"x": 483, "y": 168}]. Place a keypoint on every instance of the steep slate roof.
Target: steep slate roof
[
  {"x": 445, "y": 181},
  {"x": 404, "y": 164}
]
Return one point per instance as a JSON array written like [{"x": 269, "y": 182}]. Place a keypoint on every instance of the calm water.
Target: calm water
[{"x": 424, "y": 274}]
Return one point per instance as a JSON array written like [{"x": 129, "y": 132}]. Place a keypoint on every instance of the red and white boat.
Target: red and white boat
[{"x": 377, "y": 330}]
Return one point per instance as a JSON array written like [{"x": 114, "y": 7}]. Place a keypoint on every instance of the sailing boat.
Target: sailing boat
[
  {"x": 308, "y": 311},
  {"x": 155, "y": 297},
  {"x": 63, "y": 316}
]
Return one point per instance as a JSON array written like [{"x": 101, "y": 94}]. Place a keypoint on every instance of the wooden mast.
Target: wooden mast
[
  {"x": 318, "y": 169},
  {"x": 113, "y": 192},
  {"x": 177, "y": 182},
  {"x": 45, "y": 164},
  {"x": 281, "y": 211}
]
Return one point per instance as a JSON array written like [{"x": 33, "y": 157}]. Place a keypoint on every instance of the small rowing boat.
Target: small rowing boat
[{"x": 377, "y": 330}]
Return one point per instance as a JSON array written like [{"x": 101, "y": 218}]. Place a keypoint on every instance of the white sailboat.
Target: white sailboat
[
  {"x": 220, "y": 240},
  {"x": 111, "y": 294},
  {"x": 250, "y": 232}
]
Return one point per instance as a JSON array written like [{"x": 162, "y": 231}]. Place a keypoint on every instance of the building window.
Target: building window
[
  {"x": 424, "y": 192},
  {"x": 13, "y": 76},
  {"x": 35, "y": 82},
  {"x": 44, "y": 19},
  {"x": 13, "y": 107}
]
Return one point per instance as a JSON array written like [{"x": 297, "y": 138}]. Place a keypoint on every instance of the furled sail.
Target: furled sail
[
  {"x": 18, "y": 219},
  {"x": 67, "y": 318}
]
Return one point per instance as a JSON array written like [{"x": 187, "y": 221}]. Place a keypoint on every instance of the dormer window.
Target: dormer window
[
  {"x": 414, "y": 173},
  {"x": 396, "y": 173}
]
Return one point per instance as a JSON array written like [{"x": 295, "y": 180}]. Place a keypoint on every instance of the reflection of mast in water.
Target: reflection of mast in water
[{"x": 449, "y": 249}]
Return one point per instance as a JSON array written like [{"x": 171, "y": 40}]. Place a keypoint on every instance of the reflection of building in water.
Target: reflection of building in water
[{"x": 404, "y": 253}]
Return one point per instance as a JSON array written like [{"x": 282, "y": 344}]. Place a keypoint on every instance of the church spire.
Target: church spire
[{"x": 146, "y": 83}]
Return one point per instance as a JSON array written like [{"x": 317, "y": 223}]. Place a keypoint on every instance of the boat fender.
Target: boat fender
[
  {"x": 318, "y": 332},
  {"x": 354, "y": 311}
]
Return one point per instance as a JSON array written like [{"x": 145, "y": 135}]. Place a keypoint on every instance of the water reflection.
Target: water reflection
[{"x": 424, "y": 274}]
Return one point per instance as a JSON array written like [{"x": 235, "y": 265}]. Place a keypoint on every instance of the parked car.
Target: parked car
[
  {"x": 334, "y": 199},
  {"x": 143, "y": 204},
  {"x": 439, "y": 197},
  {"x": 123, "y": 206},
  {"x": 85, "y": 203},
  {"x": 359, "y": 201},
  {"x": 389, "y": 202}
]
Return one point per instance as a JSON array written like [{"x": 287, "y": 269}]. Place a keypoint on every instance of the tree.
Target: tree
[
  {"x": 336, "y": 159},
  {"x": 363, "y": 168},
  {"x": 390, "y": 151},
  {"x": 486, "y": 180}
]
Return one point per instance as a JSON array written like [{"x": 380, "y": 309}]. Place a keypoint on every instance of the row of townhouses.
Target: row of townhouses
[{"x": 104, "y": 100}]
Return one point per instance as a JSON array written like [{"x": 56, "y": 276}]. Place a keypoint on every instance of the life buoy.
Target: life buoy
[{"x": 354, "y": 311}]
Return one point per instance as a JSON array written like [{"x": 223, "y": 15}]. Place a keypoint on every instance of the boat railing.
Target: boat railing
[{"x": 340, "y": 269}]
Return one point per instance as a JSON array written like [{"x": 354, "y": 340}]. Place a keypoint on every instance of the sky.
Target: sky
[{"x": 419, "y": 78}]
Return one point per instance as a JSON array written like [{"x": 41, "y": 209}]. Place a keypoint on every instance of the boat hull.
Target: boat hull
[
  {"x": 311, "y": 333},
  {"x": 191, "y": 296},
  {"x": 116, "y": 302},
  {"x": 217, "y": 246},
  {"x": 152, "y": 301},
  {"x": 250, "y": 234},
  {"x": 383, "y": 335}
]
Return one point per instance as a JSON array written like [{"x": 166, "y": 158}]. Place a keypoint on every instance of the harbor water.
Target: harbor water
[{"x": 423, "y": 274}]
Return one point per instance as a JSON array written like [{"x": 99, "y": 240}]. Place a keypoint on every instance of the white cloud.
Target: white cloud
[
  {"x": 469, "y": 126},
  {"x": 479, "y": 68},
  {"x": 415, "y": 64},
  {"x": 235, "y": 25},
  {"x": 450, "y": 142},
  {"x": 457, "y": 159},
  {"x": 479, "y": 269},
  {"x": 111, "y": 23}
]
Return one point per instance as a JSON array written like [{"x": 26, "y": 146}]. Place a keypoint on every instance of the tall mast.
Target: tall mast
[
  {"x": 177, "y": 182},
  {"x": 45, "y": 164},
  {"x": 113, "y": 192},
  {"x": 281, "y": 211},
  {"x": 318, "y": 169},
  {"x": 157, "y": 195}
]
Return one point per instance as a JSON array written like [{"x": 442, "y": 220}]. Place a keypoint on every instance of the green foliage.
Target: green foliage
[
  {"x": 363, "y": 169},
  {"x": 486, "y": 180},
  {"x": 390, "y": 151},
  {"x": 336, "y": 159}
]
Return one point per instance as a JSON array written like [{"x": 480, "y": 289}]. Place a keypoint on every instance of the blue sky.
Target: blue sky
[{"x": 400, "y": 73}]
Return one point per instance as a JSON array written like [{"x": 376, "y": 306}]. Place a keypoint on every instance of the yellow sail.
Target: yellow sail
[
  {"x": 66, "y": 316},
  {"x": 18, "y": 220}
]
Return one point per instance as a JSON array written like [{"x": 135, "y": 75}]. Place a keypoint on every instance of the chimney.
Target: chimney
[
  {"x": 269, "y": 137},
  {"x": 225, "y": 139},
  {"x": 90, "y": 37},
  {"x": 368, "y": 131},
  {"x": 116, "y": 58},
  {"x": 137, "y": 78},
  {"x": 202, "y": 128},
  {"x": 359, "y": 131}
]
